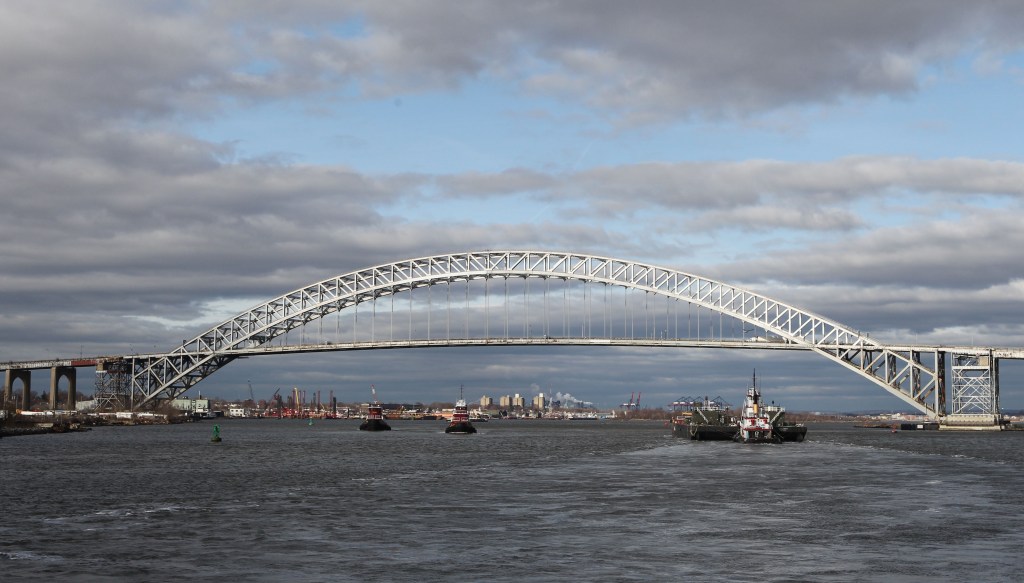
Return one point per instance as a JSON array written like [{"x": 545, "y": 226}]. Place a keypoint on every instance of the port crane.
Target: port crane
[
  {"x": 276, "y": 398},
  {"x": 631, "y": 404}
]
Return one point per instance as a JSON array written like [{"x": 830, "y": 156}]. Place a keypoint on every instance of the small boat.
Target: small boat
[
  {"x": 374, "y": 416},
  {"x": 754, "y": 424},
  {"x": 460, "y": 422}
]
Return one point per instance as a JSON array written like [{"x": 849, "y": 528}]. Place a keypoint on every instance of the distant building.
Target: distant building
[
  {"x": 539, "y": 402},
  {"x": 200, "y": 406},
  {"x": 505, "y": 401},
  {"x": 86, "y": 405},
  {"x": 518, "y": 401},
  {"x": 486, "y": 402}
]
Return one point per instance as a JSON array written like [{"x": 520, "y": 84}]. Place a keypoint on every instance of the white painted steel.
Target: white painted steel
[{"x": 899, "y": 371}]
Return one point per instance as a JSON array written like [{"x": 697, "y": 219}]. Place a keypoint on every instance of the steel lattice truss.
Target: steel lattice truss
[
  {"x": 901, "y": 372},
  {"x": 973, "y": 384}
]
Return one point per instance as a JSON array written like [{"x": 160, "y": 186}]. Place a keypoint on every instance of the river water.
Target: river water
[{"x": 281, "y": 500}]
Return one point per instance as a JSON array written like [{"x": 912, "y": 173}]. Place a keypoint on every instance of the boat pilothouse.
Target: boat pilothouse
[{"x": 755, "y": 426}]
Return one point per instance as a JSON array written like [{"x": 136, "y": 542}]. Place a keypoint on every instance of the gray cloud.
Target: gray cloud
[
  {"x": 766, "y": 193},
  {"x": 662, "y": 60},
  {"x": 976, "y": 252},
  {"x": 511, "y": 181},
  {"x": 842, "y": 181}
]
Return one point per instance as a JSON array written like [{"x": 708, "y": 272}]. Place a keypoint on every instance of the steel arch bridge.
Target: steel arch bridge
[{"x": 915, "y": 375}]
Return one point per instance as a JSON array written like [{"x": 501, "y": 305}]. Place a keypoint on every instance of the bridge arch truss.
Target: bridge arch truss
[{"x": 917, "y": 377}]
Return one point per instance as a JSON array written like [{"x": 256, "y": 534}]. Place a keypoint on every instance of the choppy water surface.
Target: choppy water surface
[{"x": 281, "y": 500}]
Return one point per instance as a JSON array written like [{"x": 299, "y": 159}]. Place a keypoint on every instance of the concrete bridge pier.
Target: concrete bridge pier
[
  {"x": 26, "y": 386},
  {"x": 56, "y": 373}
]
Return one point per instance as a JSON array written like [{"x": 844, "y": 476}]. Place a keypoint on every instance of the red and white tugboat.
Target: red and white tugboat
[
  {"x": 374, "y": 416},
  {"x": 754, "y": 424},
  {"x": 460, "y": 418}
]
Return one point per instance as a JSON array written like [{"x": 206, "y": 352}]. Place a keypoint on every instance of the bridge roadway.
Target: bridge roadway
[
  {"x": 1007, "y": 353},
  {"x": 65, "y": 368}
]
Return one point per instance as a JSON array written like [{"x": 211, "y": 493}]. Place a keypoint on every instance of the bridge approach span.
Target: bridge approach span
[{"x": 905, "y": 373}]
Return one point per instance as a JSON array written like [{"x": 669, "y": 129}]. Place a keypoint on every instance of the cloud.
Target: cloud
[
  {"x": 764, "y": 193},
  {"x": 511, "y": 181},
  {"x": 980, "y": 250},
  {"x": 841, "y": 181},
  {"x": 770, "y": 218},
  {"x": 661, "y": 61}
]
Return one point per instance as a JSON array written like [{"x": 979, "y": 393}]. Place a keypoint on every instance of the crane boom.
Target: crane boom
[{"x": 276, "y": 398}]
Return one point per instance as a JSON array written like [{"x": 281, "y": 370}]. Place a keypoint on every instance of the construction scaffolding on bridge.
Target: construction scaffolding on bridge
[{"x": 114, "y": 385}]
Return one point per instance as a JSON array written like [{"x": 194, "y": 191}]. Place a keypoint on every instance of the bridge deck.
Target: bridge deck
[{"x": 1006, "y": 353}]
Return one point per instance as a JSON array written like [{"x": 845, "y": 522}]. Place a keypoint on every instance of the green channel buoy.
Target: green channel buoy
[{"x": 216, "y": 434}]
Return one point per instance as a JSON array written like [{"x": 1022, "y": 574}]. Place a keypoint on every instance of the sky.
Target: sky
[{"x": 167, "y": 164}]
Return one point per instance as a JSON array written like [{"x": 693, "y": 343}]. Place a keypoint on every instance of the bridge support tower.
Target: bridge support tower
[
  {"x": 975, "y": 392},
  {"x": 56, "y": 373},
  {"x": 25, "y": 375}
]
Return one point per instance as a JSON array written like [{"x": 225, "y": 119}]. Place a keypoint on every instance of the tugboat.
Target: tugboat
[
  {"x": 374, "y": 416},
  {"x": 460, "y": 418},
  {"x": 754, "y": 424},
  {"x": 703, "y": 420}
]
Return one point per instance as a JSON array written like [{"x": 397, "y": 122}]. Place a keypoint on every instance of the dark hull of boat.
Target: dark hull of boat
[
  {"x": 460, "y": 427},
  {"x": 705, "y": 432},
  {"x": 791, "y": 432},
  {"x": 918, "y": 426},
  {"x": 374, "y": 425}
]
